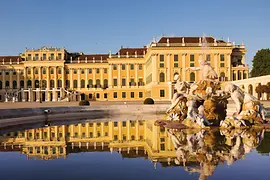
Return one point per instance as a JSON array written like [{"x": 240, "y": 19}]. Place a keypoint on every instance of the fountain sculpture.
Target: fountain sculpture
[{"x": 204, "y": 103}]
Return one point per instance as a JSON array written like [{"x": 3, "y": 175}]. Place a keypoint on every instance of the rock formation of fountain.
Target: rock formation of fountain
[{"x": 204, "y": 103}]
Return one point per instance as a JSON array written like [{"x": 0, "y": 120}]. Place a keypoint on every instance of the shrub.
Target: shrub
[
  {"x": 148, "y": 101},
  {"x": 84, "y": 103}
]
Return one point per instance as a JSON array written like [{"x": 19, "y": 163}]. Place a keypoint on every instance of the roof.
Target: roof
[
  {"x": 12, "y": 58},
  {"x": 131, "y": 51},
  {"x": 187, "y": 40},
  {"x": 91, "y": 57}
]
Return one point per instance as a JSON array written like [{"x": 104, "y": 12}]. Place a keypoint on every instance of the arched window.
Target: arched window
[
  {"x": 98, "y": 83},
  {"x": 106, "y": 83},
  {"x": 36, "y": 71},
  {"x": 14, "y": 84},
  {"x": 44, "y": 84},
  {"x": 161, "y": 77},
  {"x": 90, "y": 83},
  {"x": 67, "y": 84},
  {"x": 36, "y": 83},
  {"x": 1, "y": 86},
  {"x": 222, "y": 76},
  {"x": 192, "y": 77},
  {"x": 21, "y": 84},
  {"x": 52, "y": 70},
  {"x": 51, "y": 83},
  {"x": 59, "y": 83},
  {"x": 75, "y": 83},
  {"x": 7, "y": 84},
  {"x": 82, "y": 83},
  {"x": 29, "y": 83}
]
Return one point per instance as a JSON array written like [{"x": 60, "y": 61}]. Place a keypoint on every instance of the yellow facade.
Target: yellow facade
[{"x": 54, "y": 74}]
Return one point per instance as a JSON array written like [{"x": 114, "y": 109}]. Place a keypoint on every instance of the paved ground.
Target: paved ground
[{"x": 10, "y": 105}]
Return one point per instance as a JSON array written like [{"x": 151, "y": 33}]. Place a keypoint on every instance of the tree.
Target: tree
[
  {"x": 259, "y": 90},
  {"x": 261, "y": 63}
]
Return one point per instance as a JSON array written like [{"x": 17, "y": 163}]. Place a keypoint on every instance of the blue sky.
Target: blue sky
[{"x": 104, "y": 25}]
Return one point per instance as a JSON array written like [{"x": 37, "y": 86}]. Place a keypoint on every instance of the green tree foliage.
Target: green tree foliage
[
  {"x": 261, "y": 63},
  {"x": 264, "y": 147}
]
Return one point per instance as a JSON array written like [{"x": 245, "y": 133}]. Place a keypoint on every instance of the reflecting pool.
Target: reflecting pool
[{"x": 132, "y": 149}]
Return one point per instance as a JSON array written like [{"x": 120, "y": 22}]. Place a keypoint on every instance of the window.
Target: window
[
  {"x": 67, "y": 71},
  {"x": 36, "y": 83},
  {"x": 222, "y": 65},
  {"x": 14, "y": 84},
  {"x": 161, "y": 60},
  {"x": 36, "y": 56},
  {"x": 115, "y": 137},
  {"x": 82, "y": 83},
  {"x": 140, "y": 94},
  {"x": 1, "y": 86},
  {"x": 140, "y": 66},
  {"x": 192, "y": 77},
  {"x": 44, "y": 57},
  {"x": 90, "y": 71},
  {"x": 105, "y": 83},
  {"x": 21, "y": 84},
  {"x": 43, "y": 83},
  {"x": 52, "y": 71},
  {"x": 162, "y": 147},
  {"x": 0, "y": 73},
  {"x": 75, "y": 83},
  {"x": 131, "y": 66},
  {"x": 14, "y": 73},
  {"x": 115, "y": 124},
  {"x": 105, "y": 70},
  {"x": 7, "y": 73},
  {"x": 162, "y": 93},
  {"x": 98, "y": 95},
  {"x": 124, "y": 124},
  {"x": 67, "y": 84},
  {"x": 105, "y": 95},
  {"x": 161, "y": 77},
  {"x": 82, "y": 71},
  {"x": 114, "y": 94},
  {"x": 115, "y": 82},
  {"x": 208, "y": 57},
  {"x": 132, "y": 137},
  {"x": 222, "y": 76},
  {"x": 51, "y": 83},
  {"x": 140, "y": 83},
  {"x": 123, "y": 67},
  {"x": 98, "y": 83},
  {"x": 175, "y": 61},
  {"x": 222, "y": 57},
  {"x": 28, "y": 71},
  {"x": 123, "y": 94},
  {"x": 131, "y": 94},
  {"x": 115, "y": 67},
  {"x": 52, "y": 56},
  {"x": 29, "y": 57},
  {"x": 192, "y": 64},
  {"x": 59, "y": 56},
  {"x": 36, "y": 71},
  {"x": 132, "y": 82},
  {"x": 75, "y": 71},
  {"x": 97, "y": 70},
  {"x": 123, "y": 82},
  {"x": 29, "y": 83},
  {"x": 90, "y": 83}
]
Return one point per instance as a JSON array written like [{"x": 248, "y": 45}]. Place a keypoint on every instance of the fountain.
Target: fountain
[{"x": 204, "y": 103}]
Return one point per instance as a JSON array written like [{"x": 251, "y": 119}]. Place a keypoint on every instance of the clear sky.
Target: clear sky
[{"x": 103, "y": 25}]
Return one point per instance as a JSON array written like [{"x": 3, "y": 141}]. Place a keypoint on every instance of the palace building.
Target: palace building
[{"x": 54, "y": 74}]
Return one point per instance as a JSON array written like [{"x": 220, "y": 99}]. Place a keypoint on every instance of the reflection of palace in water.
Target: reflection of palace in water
[
  {"x": 198, "y": 151},
  {"x": 130, "y": 138}
]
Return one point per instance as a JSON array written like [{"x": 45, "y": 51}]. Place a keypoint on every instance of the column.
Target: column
[
  {"x": 32, "y": 77},
  {"x": 110, "y": 76},
  {"x": 23, "y": 95},
  {"x": 37, "y": 94},
  {"x": 95, "y": 129},
  {"x": 101, "y": 77},
  {"x": 128, "y": 85},
  {"x": 24, "y": 78},
  {"x": 4, "y": 79},
  {"x": 168, "y": 67},
  {"x": 48, "y": 77},
  {"x": 63, "y": 77},
  {"x": 86, "y": 77},
  {"x": 94, "y": 76},
  {"x": 79, "y": 78},
  {"x": 87, "y": 129},
  {"x": 216, "y": 62},
  {"x": 71, "y": 78},
  {"x": 55, "y": 77},
  {"x": 230, "y": 67},
  {"x": 54, "y": 95},
  {"x": 184, "y": 66},
  {"x": 10, "y": 79},
  {"x": 136, "y": 74},
  {"x": 119, "y": 75}
]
